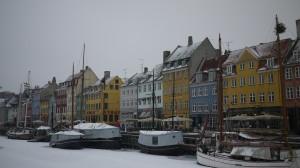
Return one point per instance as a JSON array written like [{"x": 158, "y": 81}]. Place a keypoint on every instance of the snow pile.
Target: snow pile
[{"x": 83, "y": 126}]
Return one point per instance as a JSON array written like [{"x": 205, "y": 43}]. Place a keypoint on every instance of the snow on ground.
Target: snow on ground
[{"x": 20, "y": 153}]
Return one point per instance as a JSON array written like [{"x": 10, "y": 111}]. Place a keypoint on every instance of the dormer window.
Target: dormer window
[
  {"x": 211, "y": 76},
  {"x": 229, "y": 69},
  {"x": 296, "y": 55},
  {"x": 270, "y": 62}
]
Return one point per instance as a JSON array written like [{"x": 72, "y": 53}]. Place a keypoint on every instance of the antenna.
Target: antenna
[{"x": 227, "y": 43}]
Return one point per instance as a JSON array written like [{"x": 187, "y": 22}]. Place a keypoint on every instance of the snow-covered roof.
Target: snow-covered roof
[
  {"x": 159, "y": 132},
  {"x": 93, "y": 126},
  {"x": 72, "y": 132},
  {"x": 182, "y": 52}
]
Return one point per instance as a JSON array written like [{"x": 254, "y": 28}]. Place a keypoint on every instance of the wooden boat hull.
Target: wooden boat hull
[
  {"x": 222, "y": 161},
  {"x": 171, "y": 150},
  {"x": 67, "y": 144},
  {"x": 100, "y": 143},
  {"x": 20, "y": 136}
]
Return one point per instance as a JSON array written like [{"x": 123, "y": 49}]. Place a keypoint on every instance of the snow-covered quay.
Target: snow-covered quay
[{"x": 19, "y": 153}]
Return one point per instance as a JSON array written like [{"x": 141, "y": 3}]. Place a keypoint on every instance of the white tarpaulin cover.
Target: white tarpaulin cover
[{"x": 253, "y": 152}]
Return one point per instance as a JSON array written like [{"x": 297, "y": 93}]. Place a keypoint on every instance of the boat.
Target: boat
[
  {"x": 42, "y": 134},
  {"x": 161, "y": 142},
  {"x": 254, "y": 153},
  {"x": 20, "y": 133},
  {"x": 69, "y": 139},
  {"x": 99, "y": 135}
]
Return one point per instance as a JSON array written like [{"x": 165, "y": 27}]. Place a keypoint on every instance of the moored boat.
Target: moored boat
[
  {"x": 20, "y": 133},
  {"x": 99, "y": 135},
  {"x": 66, "y": 140},
  {"x": 42, "y": 134},
  {"x": 161, "y": 142}
]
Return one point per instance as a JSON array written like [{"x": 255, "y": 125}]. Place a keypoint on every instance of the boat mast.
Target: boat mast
[
  {"x": 281, "y": 71},
  {"x": 72, "y": 97},
  {"x": 19, "y": 108},
  {"x": 82, "y": 83},
  {"x": 220, "y": 91},
  {"x": 173, "y": 100},
  {"x": 153, "y": 99}
]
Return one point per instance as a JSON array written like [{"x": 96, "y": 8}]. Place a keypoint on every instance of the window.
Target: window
[
  {"x": 271, "y": 96},
  {"x": 270, "y": 62},
  {"x": 149, "y": 88},
  {"x": 297, "y": 72},
  {"x": 233, "y": 83},
  {"x": 214, "y": 107},
  {"x": 296, "y": 55},
  {"x": 140, "y": 89},
  {"x": 211, "y": 76},
  {"x": 194, "y": 107},
  {"x": 234, "y": 99},
  {"x": 242, "y": 66},
  {"x": 225, "y": 99},
  {"x": 298, "y": 92},
  {"x": 288, "y": 73},
  {"x": 200, "y": 91},
  {"x": 243, "y": 98},
  {"x": 271, "y": 78},
  {"x": 252, "y": 97},
  {"x": 154, "y": 140},
  {"x": 193, "y": 92},
  {"x": 145, "y": 88},
  {"x": 251, "y": 80},
  {"x": 159, "y": 86},
  {"x": 205, "y": 91},
  {"x": 242, "y": 81},
  {"x": 251, "y": 65},
  {"x": 214, "y": 90},
  {"x": 229, "y": 69},
  {"x": 261, "y": 79},
  {"x": 289, "y": 93},
  {"x": 225, "y": 83},
  {"x": 262, "y": 97}
]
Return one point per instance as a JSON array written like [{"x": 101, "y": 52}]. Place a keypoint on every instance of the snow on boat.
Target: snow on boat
[
  {"x": 20, "y": 133},
  {"x": 221, "y": 160},
  {"x": 66, "y": 139},
  {"x": 42, "y": 134},
  {"x": 161, "y": 142},
  {"x": 99, "y": 135}
]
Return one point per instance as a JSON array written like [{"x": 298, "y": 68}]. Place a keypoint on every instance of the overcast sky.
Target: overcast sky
[{"x": 47, "y": 36}]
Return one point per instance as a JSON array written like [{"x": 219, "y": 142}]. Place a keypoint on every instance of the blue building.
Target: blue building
[{"x": 203, "y": 94}]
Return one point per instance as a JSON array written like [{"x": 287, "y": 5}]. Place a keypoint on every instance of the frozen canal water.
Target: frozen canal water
[{"x": 19, "y": 153}]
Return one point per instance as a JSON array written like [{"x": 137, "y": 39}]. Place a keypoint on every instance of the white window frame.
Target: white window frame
[
  {"x": 288, "y": 73},
  {"x": 297, "y": 72}
]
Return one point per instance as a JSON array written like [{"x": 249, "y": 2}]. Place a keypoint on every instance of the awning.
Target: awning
[{"x": 176, "y": 119}]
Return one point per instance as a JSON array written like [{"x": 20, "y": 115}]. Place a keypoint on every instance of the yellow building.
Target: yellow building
[
  {"x": 103, "y": 100},
  {"x": 44, "y": 108},
  {"x": 251, "y": 81},
  {"x": 178, "y": 68}
]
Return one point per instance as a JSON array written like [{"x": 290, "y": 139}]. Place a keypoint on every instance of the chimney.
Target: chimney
[
  {"x": 145, "y": 70},
  {"x": 190, "y": 40},
  {"x": 298, "y": 28},
  {"x": 166, "y": 54},
  {"x": 106, "y": 74}
]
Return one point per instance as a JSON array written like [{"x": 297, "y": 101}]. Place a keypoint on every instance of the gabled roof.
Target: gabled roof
[
  {"x": 182, "y": 52},
  {"x": 261, "y": 51}
]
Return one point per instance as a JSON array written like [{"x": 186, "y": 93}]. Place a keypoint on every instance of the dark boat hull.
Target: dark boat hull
[
  {"x": 113, "y": 143},
  {"x": 171, "y": 150},
  {"x": 67, "y": 144}
]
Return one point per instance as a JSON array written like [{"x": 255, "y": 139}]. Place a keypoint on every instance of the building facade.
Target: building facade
[{"x": 178, "y": 69}]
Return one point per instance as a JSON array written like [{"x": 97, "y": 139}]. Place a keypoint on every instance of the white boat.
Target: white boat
[
  {"x": 161, "y": 142},
  {"x": 99, "y": 135},
  {"x": 66, "y": 139}
]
